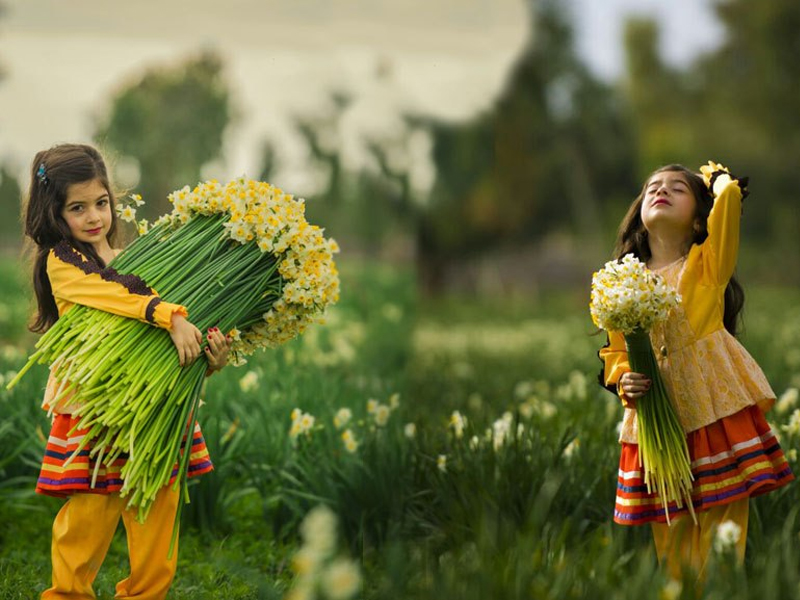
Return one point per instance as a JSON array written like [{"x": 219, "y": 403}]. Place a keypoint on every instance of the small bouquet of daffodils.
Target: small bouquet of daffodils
[
  {"x": 240, "y": 256},
  {"x": 630, "y": 299}
]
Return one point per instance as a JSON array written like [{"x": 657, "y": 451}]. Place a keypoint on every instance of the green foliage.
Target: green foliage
[
  {"x": 519, "y": 507},
  {"x": 10, "y": 202}
]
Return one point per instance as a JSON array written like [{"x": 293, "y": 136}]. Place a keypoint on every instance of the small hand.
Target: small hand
[
  {"x": 217, "y": 350},
  {"x": 634, "y": 385},
  {"x": 186, "y": 338},
  {"x": 716, "y": 177}
]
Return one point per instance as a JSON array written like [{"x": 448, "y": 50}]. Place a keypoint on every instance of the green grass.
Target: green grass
[{"x": 526, "y": 518}]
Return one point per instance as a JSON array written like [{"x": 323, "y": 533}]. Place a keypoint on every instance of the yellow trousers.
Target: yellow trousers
[
  {"x": 82, "y": 533},
  {"x": 684, "y": 544}
]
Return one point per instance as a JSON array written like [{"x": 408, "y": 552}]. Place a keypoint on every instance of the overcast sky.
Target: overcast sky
[{"x": 63, "y": 59}]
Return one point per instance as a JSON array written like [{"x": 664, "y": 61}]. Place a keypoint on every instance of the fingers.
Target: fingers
[
  {"x": 181, "y": 355},
  {"x": 635, "y": 385}
]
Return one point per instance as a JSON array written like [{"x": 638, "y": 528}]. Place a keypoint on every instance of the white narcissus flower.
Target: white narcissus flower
[
  {"x": 727, "y": 536},
  {"x": 350, "y": 443},
  {"x": 342, "y": 417},
  {"x": 458, "y": 422},
  {"x": 627, "y": 296},
  {"x": 382, "y": 412},
  {"x": 128, "y": 214},
  {"x": 341, "y": 579},
  {"x": 441, "y": 463},
  {"x": 410, "y": 430},
  {"x": 793, "y": 426},
  {"x": 249, "y": 382},
  {"x": 787, "y": 401},
  {"x": 319, "y": 531}
]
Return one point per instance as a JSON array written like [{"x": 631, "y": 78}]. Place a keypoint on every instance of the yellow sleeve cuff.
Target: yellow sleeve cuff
[{"x": 160, "y": 313}]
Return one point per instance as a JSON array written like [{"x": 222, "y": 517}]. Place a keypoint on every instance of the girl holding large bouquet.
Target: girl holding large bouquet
[
  {"x": 685, "y": 227},
  {"x": 70, "y": 217}
]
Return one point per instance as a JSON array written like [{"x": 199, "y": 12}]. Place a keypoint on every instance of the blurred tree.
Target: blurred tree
[
  {"x": 171, "y": 122},
  {"x": 663, "y": 109},
  {"x": 552, "y": 154},
  {"x": 752, "y": 109},
  {"x": 10, "y": 198}
]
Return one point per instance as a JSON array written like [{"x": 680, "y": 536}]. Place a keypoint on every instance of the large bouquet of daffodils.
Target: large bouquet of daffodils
[
  {"x": 239, "y": 256},
  {"x": 628, "y": 298}
]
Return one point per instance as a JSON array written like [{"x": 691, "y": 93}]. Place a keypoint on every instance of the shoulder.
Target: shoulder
[{"x": 65, "y": 254}]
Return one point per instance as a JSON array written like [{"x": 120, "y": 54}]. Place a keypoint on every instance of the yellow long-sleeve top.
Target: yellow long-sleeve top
[
  {"x": 707, "y": 372},
  {"x": 76, "y": 280}
]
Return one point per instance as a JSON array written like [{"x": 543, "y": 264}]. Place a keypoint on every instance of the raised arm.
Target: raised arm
[
  {"x": 76, "y": 280},
  {"x": 724, "y": 220}
]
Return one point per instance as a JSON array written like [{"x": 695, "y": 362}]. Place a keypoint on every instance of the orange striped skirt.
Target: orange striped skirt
[
  {"x": 733, "y": 458},
  {"x": 58, "y": 479}
]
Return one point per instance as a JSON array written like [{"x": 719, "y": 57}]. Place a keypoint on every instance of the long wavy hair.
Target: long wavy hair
[
  {"x": 632, "y": 237},
  {"x": 64, "y": 165}
]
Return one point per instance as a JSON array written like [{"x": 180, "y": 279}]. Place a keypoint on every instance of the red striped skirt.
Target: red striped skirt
[
  {"x": 57, "y": 479},
  {"x": 733, "y": 458}
]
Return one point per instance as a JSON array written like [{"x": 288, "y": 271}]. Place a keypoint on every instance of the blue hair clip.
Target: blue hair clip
[{"x": 41, "y": 174}]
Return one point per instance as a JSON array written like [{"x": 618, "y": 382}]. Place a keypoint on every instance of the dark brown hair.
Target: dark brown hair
[
  {"x": 52, "y": 172},
  {"x": 632, "y": 237}
]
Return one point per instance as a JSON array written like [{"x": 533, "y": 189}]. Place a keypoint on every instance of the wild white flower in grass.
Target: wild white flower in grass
[
  {"x": 787, "y": 401},
  {"x": 525, "y": 410},
  {"x": 306, "y": 561},
  {"x": 306, "y": 422},
  {"x": 441, "y": 463},
  {"x": 474, "y": 442},
  {"x": 320, "y": 572},
  {"x": 791, "y": 455},
  {"x": 382, "y": 412},
  {"x": 501, "y": 428},
  {"x": 319, "y": 530},
  {"x": 372, "y": 405},
  {"x": 304, "y": 591},
  {"x": 410, "y": 430},
  {"x": 571, "y": 449},
  {"x": 394, "y": 401},
  {"x": 458, "y": 422},
  {"x": 302, "y": 422},
  {"x": 793, "y": 426},
  {"x": 350, "y": 443},
  {"x": 727, "y": 536},
  {"x": 671, "y": 590},
  {"x": 342, "y": 417},
  {"x": 341, "y": 579},
  {"x": 249, "y": 382}
]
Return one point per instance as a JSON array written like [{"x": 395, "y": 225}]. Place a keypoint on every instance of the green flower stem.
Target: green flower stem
[{"x": 663, "y": 452}]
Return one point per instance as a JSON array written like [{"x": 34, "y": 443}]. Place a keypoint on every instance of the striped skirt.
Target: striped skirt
[
  {"x": 735, "y": 457},
  {"x": 58, "y": 479}
]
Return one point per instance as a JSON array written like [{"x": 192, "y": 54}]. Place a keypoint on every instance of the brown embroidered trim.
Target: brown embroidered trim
[
  {"x": 133, "y": 283},
  {"x": 150, "y": 312}
]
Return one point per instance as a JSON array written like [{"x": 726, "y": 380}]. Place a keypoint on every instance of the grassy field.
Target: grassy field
[{"x": 480, "y": 461}]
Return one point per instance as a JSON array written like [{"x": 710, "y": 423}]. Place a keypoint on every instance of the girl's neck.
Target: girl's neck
[{"x": 666, "y": 249}]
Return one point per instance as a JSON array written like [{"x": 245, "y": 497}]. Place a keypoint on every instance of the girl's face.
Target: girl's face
[
  {"x": 87, "y": 212},
  {"x": 669, "y": 203}
]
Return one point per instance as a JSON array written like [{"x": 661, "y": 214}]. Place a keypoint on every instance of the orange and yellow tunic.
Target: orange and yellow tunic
[
  {"x": 717, "y": 389},
  {"x": 74, "y": 279}
]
